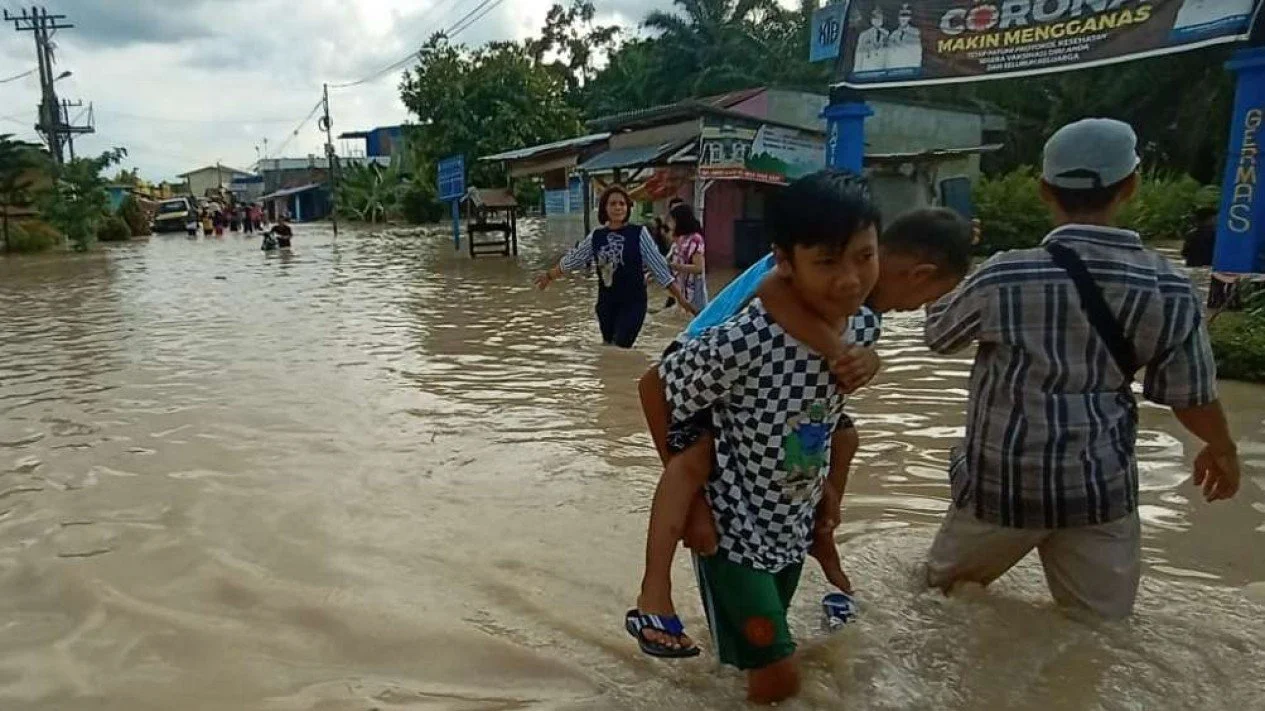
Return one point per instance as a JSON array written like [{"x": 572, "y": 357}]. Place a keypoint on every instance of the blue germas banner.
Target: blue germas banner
[
  {"x": 890, "y": 43},
  {"x": 1241, "y": 228}
]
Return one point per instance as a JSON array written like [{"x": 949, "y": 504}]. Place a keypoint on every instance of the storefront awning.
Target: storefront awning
[{"x": 634, "y": 156}]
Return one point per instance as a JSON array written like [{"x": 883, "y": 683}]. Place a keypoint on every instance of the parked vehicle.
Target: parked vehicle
[{"x": 173, "y": 215}]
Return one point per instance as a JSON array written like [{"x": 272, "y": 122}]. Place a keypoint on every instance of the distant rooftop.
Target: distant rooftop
[
  {"x": 544, "y": 148},
  {"x": 316, "y": 162},
  {"x": 222, "y": 168}
]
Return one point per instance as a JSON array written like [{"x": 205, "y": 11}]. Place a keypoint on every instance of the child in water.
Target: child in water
[{"x": 924, "y": 254}]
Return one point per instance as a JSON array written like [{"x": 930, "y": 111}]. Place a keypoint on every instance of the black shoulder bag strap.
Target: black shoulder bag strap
[{"x": 1096, "y": 309}]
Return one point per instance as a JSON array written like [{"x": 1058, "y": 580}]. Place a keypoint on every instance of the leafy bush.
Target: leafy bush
[
  {"x": 1012, "y": 215},
  {"x": 1238, "y": 343},
  {"x": 134, "y": 215},
  {"x": 1164, "y": 207},
  {"x": 1010, "y": 211},
  {"x": 33, "y": 236},
  {"x": 113, "y": 229}
]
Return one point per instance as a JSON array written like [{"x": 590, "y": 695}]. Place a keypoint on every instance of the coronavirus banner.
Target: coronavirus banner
[{"x": 888, "y": 43}]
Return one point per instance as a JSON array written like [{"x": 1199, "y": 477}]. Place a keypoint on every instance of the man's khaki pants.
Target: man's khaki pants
[{"x": 1093, "y": 567}]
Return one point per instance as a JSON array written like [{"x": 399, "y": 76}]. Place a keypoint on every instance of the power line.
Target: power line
[
  {"x": 165, "y": 119},
  {"x": 410, "y": 57},
  {"x": 295, "y": 132},
  {"x": 452, "y": 33},
  {"x": 15, "y": 77}
]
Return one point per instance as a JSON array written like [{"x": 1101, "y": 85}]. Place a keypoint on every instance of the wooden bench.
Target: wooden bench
[{"x": 492, "y": 227}]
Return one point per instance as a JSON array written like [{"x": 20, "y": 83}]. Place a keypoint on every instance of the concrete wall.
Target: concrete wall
[
  {"x": 723, "y": 205},
  {"x": 894, "y": 127}
]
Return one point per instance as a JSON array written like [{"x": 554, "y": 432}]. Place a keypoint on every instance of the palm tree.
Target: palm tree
[
  {"x": 17, "y": 159},
  {"x": 369, "y": 191},
  {"x": 714, "y": 45}
]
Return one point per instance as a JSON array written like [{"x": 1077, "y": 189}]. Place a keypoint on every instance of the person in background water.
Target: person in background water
[
  {"x": 666, "y": 238},
  {"x": 219, "y": 220},
  {"x": 623, "y": 252},
  {"x": 248, "y": 219},
  {"x": 283, "y": 232},
  {"x": 1201, "y": 240},
  {"x": 208, "y": 224},
  {"x": 234, "y": 218},
  {"x": 687, "y": 256}
]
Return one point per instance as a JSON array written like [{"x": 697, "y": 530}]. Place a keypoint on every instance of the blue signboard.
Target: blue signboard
[
  {"x": 827, "y": 31},
  {"x": 1241, "y": 227},
  {"x": 452, "y": 177}
]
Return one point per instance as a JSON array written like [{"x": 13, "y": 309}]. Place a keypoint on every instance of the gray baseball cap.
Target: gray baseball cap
[{"x": 1091, "y": 153}]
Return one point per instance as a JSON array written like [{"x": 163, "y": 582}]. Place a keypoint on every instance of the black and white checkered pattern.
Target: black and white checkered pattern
[
  {"x": 758, "y": 381},
  {"x": 865, "y": 327}
]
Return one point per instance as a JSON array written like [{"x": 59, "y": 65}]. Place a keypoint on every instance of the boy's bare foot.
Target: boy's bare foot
[{"x": 654, "y": 602}]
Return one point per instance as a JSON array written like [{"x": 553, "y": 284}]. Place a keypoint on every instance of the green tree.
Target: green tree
[
  {"x": 17, "y": 161},
  {"x": 369, "y": 192},
  {"x": 1179, "y": 105},
  {"x": 127, "y": 177},
  {"x": 574, "y": 42},
  {"x": 77, "y": 201},
  {"x": 482, "y": 101},
  {"x": 714, "y": 45},
  {"x": 708, "y": 47}
]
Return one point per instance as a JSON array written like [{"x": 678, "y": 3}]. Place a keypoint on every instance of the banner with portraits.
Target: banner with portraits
[{"x": 889, "y": 43}]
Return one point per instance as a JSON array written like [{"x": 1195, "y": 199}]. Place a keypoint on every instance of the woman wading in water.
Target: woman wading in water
[{"x": 622, "y": 252}]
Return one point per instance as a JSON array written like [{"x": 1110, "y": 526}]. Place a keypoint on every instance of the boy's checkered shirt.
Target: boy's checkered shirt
[{"x": 769, "y": 395}]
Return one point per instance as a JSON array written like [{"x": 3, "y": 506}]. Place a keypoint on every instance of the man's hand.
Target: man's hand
[
  {"x": 1217, "y": 471},
  {"x": 824, "y": 550},
  {"x": 854, "y": 367},
  {"x": 543, "y": 280}
]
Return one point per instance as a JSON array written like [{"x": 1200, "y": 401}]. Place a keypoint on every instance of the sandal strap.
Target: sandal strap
[{"x": 667, "y": 624}]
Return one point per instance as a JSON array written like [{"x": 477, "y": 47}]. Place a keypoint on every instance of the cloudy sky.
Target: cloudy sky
[{"x": 186, "y": 83}]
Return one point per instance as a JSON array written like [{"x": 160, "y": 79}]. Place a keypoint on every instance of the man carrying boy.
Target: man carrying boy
[
  {"x": 923, "y": 255},
  {"x": 753, "y": 381},
  {"x": 1049, "y": 460}
]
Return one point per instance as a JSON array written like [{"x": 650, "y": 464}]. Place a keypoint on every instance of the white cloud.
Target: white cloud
[{"x": 185, "y": 83}]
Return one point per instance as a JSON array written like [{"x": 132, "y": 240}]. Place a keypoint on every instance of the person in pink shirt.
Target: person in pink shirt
[{"x": 686, "y": 257}]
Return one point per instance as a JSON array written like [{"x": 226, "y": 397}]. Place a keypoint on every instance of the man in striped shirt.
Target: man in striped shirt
[{"x": 1049, "y": 458}]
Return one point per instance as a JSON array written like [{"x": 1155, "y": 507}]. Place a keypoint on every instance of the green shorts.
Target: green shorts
[{"x": 746, "y": 610}]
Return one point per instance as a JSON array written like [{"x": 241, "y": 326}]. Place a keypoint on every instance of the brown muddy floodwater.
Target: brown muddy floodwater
[{"x": 375, "y": 475}]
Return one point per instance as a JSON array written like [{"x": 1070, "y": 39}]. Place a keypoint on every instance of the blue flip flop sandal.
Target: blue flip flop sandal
[
  {"x": 636, "y": 623},
  {"x": 840, "y": 609}
]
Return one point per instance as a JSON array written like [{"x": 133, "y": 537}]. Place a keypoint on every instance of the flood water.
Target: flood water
[{"x": 377, "y": 475}]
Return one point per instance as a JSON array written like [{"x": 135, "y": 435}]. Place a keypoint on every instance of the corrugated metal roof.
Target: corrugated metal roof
[
  {"x": 686, "y": 107},
  {"x": 533, "y": 151},
  {"x": 932, "y": 154},
  {"x": 292, "y": 191},
  {"x": 631, "y": 157}
]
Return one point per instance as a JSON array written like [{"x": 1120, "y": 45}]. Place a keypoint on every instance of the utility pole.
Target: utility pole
[
  {"x": 69, "y": 126},
  {"x": 53, "y": 124},
  {"x": 331, "y": 161}
]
